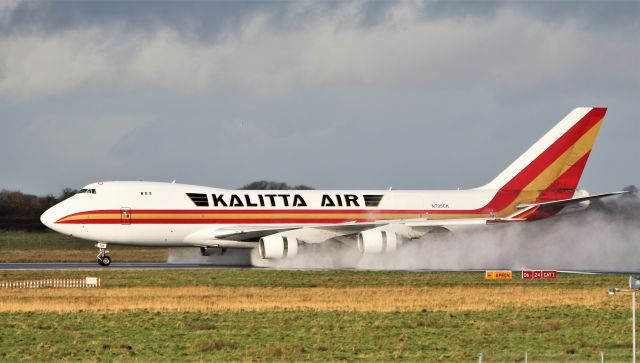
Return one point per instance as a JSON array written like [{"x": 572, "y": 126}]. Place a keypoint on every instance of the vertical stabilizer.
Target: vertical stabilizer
[
  {"x": 551, "y": 168},
  {"x": 556, "y": 161}
]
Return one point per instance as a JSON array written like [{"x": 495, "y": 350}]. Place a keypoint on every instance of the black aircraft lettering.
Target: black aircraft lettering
[
  {"x": 440, "y": 205},
  {"x": 298, "y": 201},
  {"x": 327, "y": 201},
  {"x": 285, "y": 199},
  {"x": 218, "y": 201},
  {"x": 235, "y": 201},
  {"x": 351, "y": 198},
  {"x": 247, "y": 199}
]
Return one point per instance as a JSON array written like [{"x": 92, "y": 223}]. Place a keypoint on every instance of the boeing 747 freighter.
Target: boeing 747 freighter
[{"x": 539, "y": 184}]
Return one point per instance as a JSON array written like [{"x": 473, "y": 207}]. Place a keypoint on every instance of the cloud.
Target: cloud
[
  {"x": 7, "y": 8},
  {"x": 35, "y": 65},
  {"x": 49, "y": 149},
  {"x": 332, "y": 94},
  {"x": 169, "y": 60},
  {"x": 512, "y": 49}
]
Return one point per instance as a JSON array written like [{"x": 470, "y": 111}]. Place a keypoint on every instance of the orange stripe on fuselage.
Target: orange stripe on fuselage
[{"x": 253, "y": 216}]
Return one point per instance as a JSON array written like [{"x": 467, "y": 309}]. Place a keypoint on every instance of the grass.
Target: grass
[
  {"x": 28, "y": 246},
  {"x": 270, "y": 315},
  {"x": 36, "y": 240},
  {"x": 361, "y": 298},
  {"x": 559, "y": 334},
  {"x": 241, "y": 277}
]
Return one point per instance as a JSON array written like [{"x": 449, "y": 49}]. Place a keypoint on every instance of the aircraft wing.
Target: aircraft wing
[
  {"x": 410, "y": 228},
  {"x": 247, "y": 233}
]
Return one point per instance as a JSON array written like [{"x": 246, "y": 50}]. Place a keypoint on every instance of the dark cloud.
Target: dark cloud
[
  {"x": 207, "y": 18},
  {"x": 329, "y": 94},
  {"x": 202, "y": 16},
  {"x": 600, "y": 15}
]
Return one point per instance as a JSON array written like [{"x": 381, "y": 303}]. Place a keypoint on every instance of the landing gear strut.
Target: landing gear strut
[{"x": 103, "y": 258}]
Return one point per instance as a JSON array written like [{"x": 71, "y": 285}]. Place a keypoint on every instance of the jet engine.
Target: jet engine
[
  {"x": 277, "y": 247},
  {"x": 579, "y": 193},
  {"x": 378, "y": 241}
]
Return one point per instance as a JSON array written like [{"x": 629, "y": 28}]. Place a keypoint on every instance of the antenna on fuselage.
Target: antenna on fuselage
[{"x": 173, "y": 182}]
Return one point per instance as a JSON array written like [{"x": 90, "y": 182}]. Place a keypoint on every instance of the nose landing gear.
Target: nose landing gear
[{"x": 103, "y": 258}]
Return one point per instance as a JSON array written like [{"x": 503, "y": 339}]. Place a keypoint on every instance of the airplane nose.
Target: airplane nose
[{"x": 48, "y": 218}]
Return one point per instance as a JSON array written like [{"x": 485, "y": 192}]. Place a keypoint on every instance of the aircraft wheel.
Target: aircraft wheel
[{"x": 105, "y": 261}]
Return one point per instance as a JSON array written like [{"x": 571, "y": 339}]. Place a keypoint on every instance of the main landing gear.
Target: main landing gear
[{"x": 103, "y": 258}]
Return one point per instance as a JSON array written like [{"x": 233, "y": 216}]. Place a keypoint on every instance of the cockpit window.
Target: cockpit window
[{"x": 90, "y": 191}]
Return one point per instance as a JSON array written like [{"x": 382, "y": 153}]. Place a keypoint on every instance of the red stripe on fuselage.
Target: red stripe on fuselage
[
  {"x": 255, "y": 211},
  {"x": 220, "y": 221},
  {"x": 253, "y": 216}
]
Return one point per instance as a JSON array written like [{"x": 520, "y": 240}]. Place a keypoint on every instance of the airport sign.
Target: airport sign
[
  {"x": 498, "y": 275},
  {"x": 539, "y": 274}
]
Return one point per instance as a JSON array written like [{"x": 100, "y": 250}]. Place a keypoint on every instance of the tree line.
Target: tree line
[{"x": 19, "y": 211}]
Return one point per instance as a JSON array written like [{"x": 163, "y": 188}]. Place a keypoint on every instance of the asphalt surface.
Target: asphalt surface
[
  {"x": 94, "y": 265},
  {"x": 164, "y": 265}
]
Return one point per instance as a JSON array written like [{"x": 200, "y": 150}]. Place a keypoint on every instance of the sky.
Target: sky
[{"x": 332, "y": 94}]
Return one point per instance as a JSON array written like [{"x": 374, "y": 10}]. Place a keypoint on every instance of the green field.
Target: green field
[
  {"x": 285, "y": 315},
  {"x": 505, "y": 335},
  {"x": 294, "y": 278},
  {"x": 547, "y": 332},
  {"x": 33, "y": 240},
  {"x": 23, "y": 246}
]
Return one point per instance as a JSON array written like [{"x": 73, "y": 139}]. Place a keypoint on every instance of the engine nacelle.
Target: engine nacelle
[
  {"x": 581, "y": 193},
  {"x": 378, "y": 241},
  {"x": 278, "y": 247},
  {"x": 574, "y": 207}
]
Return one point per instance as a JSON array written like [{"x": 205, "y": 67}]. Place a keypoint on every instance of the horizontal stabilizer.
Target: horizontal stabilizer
[{"x": 564, "y": 202}]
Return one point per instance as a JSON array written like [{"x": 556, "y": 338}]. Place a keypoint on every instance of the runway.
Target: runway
[
  {"x": 113, "y": 266},
  {"x": 165, "y": 265}
]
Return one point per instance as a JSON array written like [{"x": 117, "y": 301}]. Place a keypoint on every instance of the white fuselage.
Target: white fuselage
[{"x": 163, "y": 214}]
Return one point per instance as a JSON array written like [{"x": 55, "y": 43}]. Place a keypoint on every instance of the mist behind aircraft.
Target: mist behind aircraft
[{"x": 604, "y": 237}]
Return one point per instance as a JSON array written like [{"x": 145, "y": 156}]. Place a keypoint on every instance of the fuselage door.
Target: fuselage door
[{"x": 125, "y": 215}]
